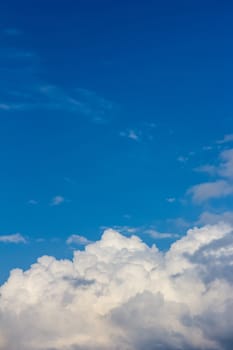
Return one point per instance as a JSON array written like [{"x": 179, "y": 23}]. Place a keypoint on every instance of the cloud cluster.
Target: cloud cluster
[
  {"x": 121, "y": 294},
  {"x": 222, "y": 186}
]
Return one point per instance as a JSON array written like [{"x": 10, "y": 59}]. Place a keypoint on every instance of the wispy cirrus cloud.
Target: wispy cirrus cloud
[
  {"x": 57, "y": 200},
  {"x": 54, "y": 98},
  {"x": 124, "y": 229},
  {"x": 170, "y": 199},
  {"x": 182, "y": 159},
  {"x": 143, "y": 131},
  {"x": 179, "y": 223},
  {"x": 83, "y": 101},
  {"x": 144, "y": 230},
  {"x": 161, "y": 235},
  {"x": 209, "y": 190},
  {"x": 13, "y": 238},
  {"x": 213, "y": 217},
  {"x": 224, "y": 167},
  {"x": 131, "y": 134},
  {"x": 5, "y": 107},
  {"x": 77, "y": 240},
  {"x": 208, "y": 169},
  {"x": 21, "y": 89},
  {"x": 226, "y": 139},
  {"x": 222, "y": 186},
  {"x": 11, "y": 31}
]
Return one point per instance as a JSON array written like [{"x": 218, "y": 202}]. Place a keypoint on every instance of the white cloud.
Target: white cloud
[
  {"x": 209, "y": 190},
  {"x": 14, "y": 238},
  {"x": 170, "y": 200},
  {"x": 226, "y": 165},
  {"x": 161, "y": 235},
  {"x": 208, "y": 217},
  {"x": 57, "y": 200},
  {"x": 209, "y": 169},
  {"x": 179, "y": 223},
  {"x": 222, "y": 186},
  {"x": 124, "y": 229},
  {"x": 226, "y": 139},
  {"x": 224, "y": 168},
  {"x": 121, "y": 294},
  {"x": 83, "y": 101},
  {"x": 182, "y": 159},
  {"x": 131, "y": 134},
  {"x": 78, "y": 240},
  {"x": 142, "y": 230}
]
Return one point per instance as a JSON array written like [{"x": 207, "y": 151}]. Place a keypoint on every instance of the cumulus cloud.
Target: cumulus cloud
[
  {"x": 14, "y": 238},
  {"x": 121, "y": 294}
]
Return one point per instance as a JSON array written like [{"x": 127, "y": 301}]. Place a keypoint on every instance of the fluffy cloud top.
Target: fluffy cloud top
[{"x": 121, "y": 294}]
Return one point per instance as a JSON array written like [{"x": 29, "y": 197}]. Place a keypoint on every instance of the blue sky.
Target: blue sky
[{"x": 110, "y": 112}]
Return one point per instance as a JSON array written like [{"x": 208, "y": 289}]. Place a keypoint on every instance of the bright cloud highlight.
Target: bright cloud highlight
[{"x": 121, "y": 294}]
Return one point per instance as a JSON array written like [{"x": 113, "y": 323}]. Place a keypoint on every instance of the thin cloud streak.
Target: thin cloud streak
[
  {"x": 77, "y": 240},
  {"x": 13, "y": 238},
  {"x": 57, "y": 200}
]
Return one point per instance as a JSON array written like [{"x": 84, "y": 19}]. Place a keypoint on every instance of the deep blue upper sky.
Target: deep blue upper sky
[{"x": 106, "y": 109}]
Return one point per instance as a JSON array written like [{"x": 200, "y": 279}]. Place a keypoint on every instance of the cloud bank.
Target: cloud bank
[{"x": 121, "y": 294}]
